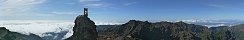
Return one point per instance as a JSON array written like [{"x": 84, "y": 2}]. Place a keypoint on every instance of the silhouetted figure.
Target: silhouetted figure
[{"x": 85, "y": 12}]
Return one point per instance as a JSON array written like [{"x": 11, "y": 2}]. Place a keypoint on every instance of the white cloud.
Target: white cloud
[
  {"x": 223, "y": 5},
  {"x": 66, "y": 13},
  {"x": 71, "y": 3},
  {"x": 218, "y": 6},
  {"x": 131, "y": 3},
  {"x": 211, "y": 22},
  {"x": 38, "y": 27},
  {"x": 107, "y": 23},
  {"x": 88, "y": 0},
  {"x": 94, "y": 3},
  {"x": 18, "y": 7},
  {"x": 16, "y": 3}
]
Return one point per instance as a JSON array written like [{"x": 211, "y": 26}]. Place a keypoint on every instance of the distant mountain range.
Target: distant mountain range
[
  {"x": 85, "y": 29},
  {"x": 143, "y": 30}
]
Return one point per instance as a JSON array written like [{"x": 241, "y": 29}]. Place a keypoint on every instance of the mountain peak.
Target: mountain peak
[{"x": 84, "y": 29}]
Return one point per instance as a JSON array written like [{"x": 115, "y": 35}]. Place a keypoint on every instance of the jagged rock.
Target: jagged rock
[
  {"x": 84, "y": 29},
  {"x": 7, "y": 35}
]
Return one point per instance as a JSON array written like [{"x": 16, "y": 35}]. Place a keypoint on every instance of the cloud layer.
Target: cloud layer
[
  {"x": 38, "y": 27},
  {"x": 94, "y": 3}
]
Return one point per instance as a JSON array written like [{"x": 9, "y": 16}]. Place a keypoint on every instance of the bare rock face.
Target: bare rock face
[{"x": 84, "y": 29}]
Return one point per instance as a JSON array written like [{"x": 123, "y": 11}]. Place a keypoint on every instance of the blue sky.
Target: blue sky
[{"x": 121, "y": 10}]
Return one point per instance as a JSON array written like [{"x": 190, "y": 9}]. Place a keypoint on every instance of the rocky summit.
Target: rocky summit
[{"x": 84, "y": 29}]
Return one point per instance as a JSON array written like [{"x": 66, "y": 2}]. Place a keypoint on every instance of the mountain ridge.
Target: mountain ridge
[
  {"x": 85, "y": 29},
  {"x": 144, "y": 30}
]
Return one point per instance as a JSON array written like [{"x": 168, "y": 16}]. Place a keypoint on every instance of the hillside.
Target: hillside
[
  {"x": 8, "y": 35},
  {"x": 238, "y": 31}
]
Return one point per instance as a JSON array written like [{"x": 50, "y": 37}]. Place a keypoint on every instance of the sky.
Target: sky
[
  {"x": 41, "y": 16},
  {"x": 121, "y": 10}
]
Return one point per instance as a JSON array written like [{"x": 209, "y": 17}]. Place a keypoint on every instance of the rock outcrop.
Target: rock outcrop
[
  {"x": 84, "y": 29},
  {"x": 8, "y": 35}
]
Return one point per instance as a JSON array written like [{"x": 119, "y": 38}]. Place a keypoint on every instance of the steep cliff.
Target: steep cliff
[
  {"x": 8, "y": 35},
  {"x": 84, "y": 29}
]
